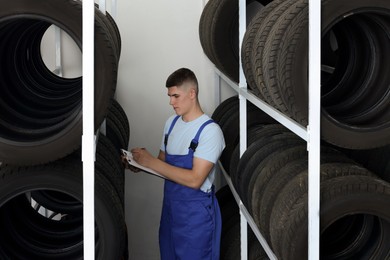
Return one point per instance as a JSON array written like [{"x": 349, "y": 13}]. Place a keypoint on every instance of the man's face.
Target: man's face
[{"x": 180, "y": 98}]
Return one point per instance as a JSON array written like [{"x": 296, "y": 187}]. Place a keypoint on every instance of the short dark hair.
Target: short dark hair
[{"x": 180, "y": 76}]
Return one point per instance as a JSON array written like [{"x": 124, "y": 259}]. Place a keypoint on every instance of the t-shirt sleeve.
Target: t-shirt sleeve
[{"x": 211, "y": 143}]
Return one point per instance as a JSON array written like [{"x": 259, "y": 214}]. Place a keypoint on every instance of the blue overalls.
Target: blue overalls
[{"x": 190, "y": 227}]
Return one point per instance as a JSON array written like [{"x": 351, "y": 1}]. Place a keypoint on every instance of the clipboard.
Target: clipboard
[{"x": 132, "y": 162}]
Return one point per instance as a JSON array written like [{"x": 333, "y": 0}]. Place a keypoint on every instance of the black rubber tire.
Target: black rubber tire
[
  {"x": 66, "y": 14},
  {"x": 255, "y": 116},
  {"x": 116, "y": 134},
  {"x": 272, "y": 52},
  {"x": 205, "y": 29},
  {"x": 279, "y": 179},
  {"x": 253, "y": 135},
  {"x": 228, "y": 207},
  {"x": 228, "y": 112},
  {"x": 230, "y": 243},
  {"x": 376, "y": 160},
  {"x": 37, "y": 234},
  {"x": 62, "y": 176},
  {"x": 265, "y": 170},
  {"x": 256, "y": 24},
  {"x": 261, "y": 49},
  {"x": 225, "y": 197},
  {"x": 256, "y": 153},
  {"x": 110, "y": 165},
  {"x": 115, "y": 29},
  {"x": 224, "y": 36},
  {"x": 293, "y": 57},
  {"x": 290, "y": 195},
  {"x": 235, "y": 156},
  {"x": 111, "y": 31},
  {"x": 230, "y": 217},
  {"x": 221, "y": 109},
  {"x": 351, "y": 234},
  {"x": 57, "y": 202},
  {"x": 117, "y": 126},
  {"x": 367, "y": 94},
  {"x": 256, "y": 251},
  {"x": 229, "y": 124},
  {"x": 351, "y": 196}
]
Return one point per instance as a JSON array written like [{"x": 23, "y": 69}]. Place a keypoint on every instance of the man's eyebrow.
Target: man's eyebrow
[{"x": 173, "y": 95}]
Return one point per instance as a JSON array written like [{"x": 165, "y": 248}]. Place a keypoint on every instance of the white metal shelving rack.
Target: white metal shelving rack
[{"x": 311, "y": 133}]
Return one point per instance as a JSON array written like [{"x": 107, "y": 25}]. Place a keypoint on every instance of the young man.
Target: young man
[{"x": 190, "y": 224}]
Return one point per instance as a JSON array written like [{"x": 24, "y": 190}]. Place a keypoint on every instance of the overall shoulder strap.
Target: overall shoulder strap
[
  {"x": 195, "y": 141},
  {"x": 170, "y": 130}
]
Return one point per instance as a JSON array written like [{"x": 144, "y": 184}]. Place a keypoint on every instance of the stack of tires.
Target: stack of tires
[
  {"x": 230, "y": 236},
  {"x": 271, "y": 175},
  {"x": 355, "y": 92},
  {"x": 41, "y": 194}
]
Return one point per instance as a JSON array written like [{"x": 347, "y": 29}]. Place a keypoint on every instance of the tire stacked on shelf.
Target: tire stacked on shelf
[
  {"x": 41, "y": 195},
  {"x": 218, "y": 33},
  {"x": 41, "y": 112},
  {"x": 29, "y": 234},
  {"x": 227, "y": 116},
  {"x": 376, "y": 160},
  {"x": 354, "y": 215},
  {"x": 355, "y": 97},
  {"x": 355, "y": 90},
  {"x": 230, "y": 237},
  {"x": 271, "y": 176},
  {"x": 271, "y": 180}
]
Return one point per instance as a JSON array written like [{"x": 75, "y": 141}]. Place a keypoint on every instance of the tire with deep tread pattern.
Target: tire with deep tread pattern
[
  {"x": 220, "y": 39},
  {"x": 295, "y": 190},
  {"x": 230, "y": 128},
  {"x": 22, "y": 141},
  {"x": 117, "y": 126},
  {"x": 255, "y": 154},
  {"x": 343, "y": 199},
  {"x": 280, "y": 178},
  {"x": 255, "y": 25},
  {"x": 63, "y": 176},
  {"x": 343, "y": 130},
  {"x": 253, "y": 134}
]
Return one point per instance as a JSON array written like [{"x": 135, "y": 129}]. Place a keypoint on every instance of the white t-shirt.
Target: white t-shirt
[{"x": 210, "y": 147}]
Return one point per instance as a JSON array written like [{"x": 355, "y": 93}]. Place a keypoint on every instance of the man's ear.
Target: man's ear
[{"x": 193, "y": 93}]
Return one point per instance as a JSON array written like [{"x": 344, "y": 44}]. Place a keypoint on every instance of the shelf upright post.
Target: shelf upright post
[
  {"x": 217, "y": 89},
  {"x": 88, "y": 137},
  {"x": 58, "y": 58},
  {"x": 314, "y": 129},
  {"x": 114, "y": 9},
  {"x": 243, "y": 118},
  {"x": 102, "y": 6}
]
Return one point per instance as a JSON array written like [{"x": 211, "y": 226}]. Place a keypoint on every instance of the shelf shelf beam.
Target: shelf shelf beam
[{"x": 291, "y": 124}]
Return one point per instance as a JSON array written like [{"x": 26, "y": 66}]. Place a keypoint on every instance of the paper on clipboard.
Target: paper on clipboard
[{"x": 132, "y": 162}]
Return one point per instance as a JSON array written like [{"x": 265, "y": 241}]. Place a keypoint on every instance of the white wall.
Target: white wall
[{"x": 158, "y": 37}]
